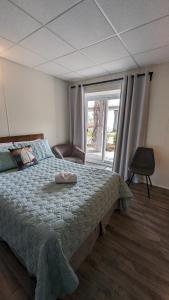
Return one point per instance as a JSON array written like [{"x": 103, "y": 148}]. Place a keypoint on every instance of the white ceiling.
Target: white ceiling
[{"x": 75, "y": 39}]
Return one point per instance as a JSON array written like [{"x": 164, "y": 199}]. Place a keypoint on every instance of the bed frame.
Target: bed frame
[
  {"x": 20, "y": 138},
  {"x": 85, "y": 249}
]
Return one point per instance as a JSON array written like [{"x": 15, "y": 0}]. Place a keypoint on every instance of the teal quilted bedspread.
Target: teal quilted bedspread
[{"x": 45, "y": 223}]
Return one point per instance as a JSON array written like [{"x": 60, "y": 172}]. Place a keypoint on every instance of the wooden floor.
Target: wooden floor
[{"x": 130, "y": 262}]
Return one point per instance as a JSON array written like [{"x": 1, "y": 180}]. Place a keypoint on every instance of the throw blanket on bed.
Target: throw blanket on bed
[{"x": 45, "y": 223}]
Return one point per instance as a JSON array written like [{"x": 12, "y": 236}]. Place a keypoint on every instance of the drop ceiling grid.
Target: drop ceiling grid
[
  {"x": 125, "y": 30},
  {"x": 117, "y": 34}
]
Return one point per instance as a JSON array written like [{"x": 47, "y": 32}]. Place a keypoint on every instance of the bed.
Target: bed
[{"x": 52, "y": 228}]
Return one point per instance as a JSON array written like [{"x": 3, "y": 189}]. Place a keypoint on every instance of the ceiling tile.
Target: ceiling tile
[
  {"x": 45, "y": 10},
  {"x": 22, "y": 56},
  {"x": 52, "y": 68},
  {"x": 107, "y": 50},
  {"x": 120, "y": 65},
  {"x": 156, "y": 56},
  {"x": 83, "y": 25},
  {"x": 147, "y": 37},
  {"x": 93, "y": 71},
  {"x": 46, "y": 44},
  {"x": 4, "y": 44},
  {"x": 75, "y": 61},
  {"x": 72, "y": 76},
  {"x": 14, "y": 23},
  {"x": 128, "y": 14}
]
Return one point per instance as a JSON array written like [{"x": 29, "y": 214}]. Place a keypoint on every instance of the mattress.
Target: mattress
[{"x": 45, "y": 223}]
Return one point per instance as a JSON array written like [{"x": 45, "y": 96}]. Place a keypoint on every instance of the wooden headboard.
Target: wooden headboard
[{"x": 20, "y": 138}]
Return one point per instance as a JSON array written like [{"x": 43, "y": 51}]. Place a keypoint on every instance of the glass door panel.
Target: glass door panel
[
  {"x": 95, "y": 128},
  {"x": 111, "y": 129},
  {"x": 102, "y": 126}
]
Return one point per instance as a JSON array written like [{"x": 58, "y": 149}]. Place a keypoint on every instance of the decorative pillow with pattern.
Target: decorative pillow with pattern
[{"x": 24, "y": 157}]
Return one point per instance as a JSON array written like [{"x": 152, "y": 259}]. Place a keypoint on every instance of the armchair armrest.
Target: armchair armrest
[
  {"x": 57, "y": 152},
  {"x": 77, "y": 152}
]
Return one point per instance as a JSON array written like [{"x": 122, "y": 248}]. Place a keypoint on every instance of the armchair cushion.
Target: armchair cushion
[
  {"x": 69, "y": 152},
  {"x": 64, "y": 149}
]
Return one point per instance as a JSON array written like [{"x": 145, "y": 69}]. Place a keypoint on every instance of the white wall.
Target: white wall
[
  {"x": 158, "y": 126},
  {"x": 3, "y": 117},
  {"x": 35, "y": 103},
  {"x": 38, "y": 103}
]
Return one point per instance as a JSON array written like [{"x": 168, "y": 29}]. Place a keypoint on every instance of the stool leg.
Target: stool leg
[
  {"x": 150, "y": 180},
  {"x": 130, "y": 180},
  {"x": 147, "y": 187}
]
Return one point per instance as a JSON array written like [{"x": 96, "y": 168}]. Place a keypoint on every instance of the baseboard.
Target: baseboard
[
  {"x": 162, "y": 186},
  {"x": 155, "y": 185}
]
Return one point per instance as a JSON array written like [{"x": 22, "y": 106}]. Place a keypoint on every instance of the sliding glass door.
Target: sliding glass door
[{"x": 102, "y": 125}]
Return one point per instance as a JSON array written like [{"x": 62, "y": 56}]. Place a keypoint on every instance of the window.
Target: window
[{"x": 102, "y": 125}]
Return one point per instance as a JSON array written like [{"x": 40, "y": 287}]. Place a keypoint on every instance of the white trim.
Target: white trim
[
  {"x": 161, "y": 186},
  {"x": 104, "y": 131}
]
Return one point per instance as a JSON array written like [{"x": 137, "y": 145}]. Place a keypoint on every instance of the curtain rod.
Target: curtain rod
[{"x": 112, "y": 80}]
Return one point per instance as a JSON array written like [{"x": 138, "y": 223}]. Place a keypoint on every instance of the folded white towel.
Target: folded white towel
[{"x": 65, "y": 177}]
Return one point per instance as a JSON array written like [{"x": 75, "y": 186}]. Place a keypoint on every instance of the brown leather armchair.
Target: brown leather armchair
[{"x": 69, "y": 152}]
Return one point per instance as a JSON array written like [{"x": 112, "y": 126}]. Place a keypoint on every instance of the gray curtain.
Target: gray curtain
[
  {"x": 133, "y": 119},
  {"x": 77, "y": 116}
]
